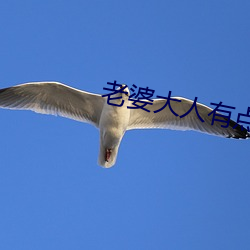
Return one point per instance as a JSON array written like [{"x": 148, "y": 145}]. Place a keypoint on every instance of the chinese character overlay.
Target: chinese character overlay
[
  {"x": 167, "y": 103},
  {"x": 224, "y": 118},
  {"x": 117, "y": 88},
  {"x": 143, "y": 97},
  {"x": 241, "y": 121},
  {"x": 196, "y": 110}
]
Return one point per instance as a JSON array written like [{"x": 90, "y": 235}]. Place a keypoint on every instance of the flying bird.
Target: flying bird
[{"x": 55, "y": 98}]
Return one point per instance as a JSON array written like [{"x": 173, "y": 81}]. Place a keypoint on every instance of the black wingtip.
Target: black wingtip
[
  {"x": 3, "y": 90},
  {"x": 239, "y": 131}
]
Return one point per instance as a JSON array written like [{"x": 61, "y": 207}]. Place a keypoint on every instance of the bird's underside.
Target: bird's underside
[{"x": 58, "y": 99}]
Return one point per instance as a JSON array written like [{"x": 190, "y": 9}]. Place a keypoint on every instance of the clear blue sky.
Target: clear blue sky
[{"x": 169, "y": 189}]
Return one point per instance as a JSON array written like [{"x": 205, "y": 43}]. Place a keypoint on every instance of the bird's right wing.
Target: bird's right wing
[
  {"x": 54, "y": 98},
  {"x": 165, "y": 119}
]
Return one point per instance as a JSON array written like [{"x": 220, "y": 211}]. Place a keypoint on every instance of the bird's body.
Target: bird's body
[
  {"x": 113, "y": 125},
  {"x": 113, "y": 121}
]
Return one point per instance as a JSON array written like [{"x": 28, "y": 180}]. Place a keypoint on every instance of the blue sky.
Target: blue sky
[{"x": 169, "y": 189}]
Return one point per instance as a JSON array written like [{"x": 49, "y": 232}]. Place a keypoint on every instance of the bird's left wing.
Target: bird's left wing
[
  {"x": 165, "y": 119},
  {"x": 54, "y": 98}
]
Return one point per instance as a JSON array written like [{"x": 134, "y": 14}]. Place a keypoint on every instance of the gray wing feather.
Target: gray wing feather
[
  {"x": 165, "y": 119},
  {"x": 54, "y": 98}
]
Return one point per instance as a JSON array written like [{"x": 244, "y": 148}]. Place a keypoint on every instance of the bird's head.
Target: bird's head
[{"x": 125, "y": 89}]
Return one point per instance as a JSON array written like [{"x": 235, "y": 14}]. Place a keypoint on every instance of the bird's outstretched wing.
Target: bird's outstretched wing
[
  {"x": 165, "y": 119},
  {"x": 54, "y": 98}
]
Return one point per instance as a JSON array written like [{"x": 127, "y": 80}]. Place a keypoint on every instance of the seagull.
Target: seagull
[{"x": 55, "y": 98}]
